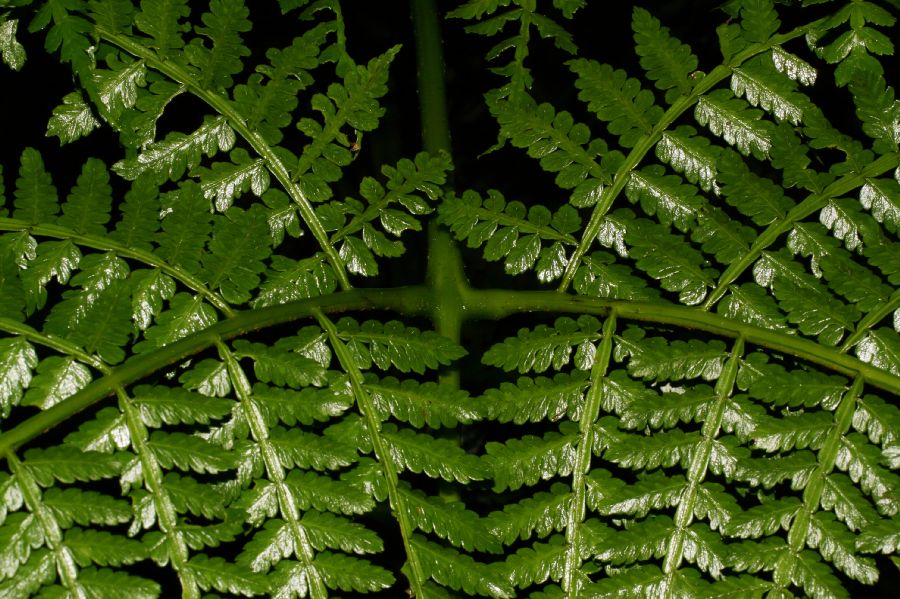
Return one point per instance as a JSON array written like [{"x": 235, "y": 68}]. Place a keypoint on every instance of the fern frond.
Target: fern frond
[
  {"x": 449, "y": 520},
  {"x": 544, "y": 346},
  {"x": 729, "y": 118},
  {"x": 11, "y": 50},
  {"x": 617, "y": 100},
  {"x": 668, "y": 62},
  {"x": 529, "y": 459}
]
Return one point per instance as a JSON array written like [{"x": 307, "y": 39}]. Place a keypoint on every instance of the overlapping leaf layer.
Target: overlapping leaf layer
[{"x": 705, "y": 405}]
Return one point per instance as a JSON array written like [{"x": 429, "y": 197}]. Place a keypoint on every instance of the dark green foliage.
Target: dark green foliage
[{"x": 704, "y": 404}]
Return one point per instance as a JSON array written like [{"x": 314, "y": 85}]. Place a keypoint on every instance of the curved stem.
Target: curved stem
[
  {"x": 871, "y": 319},
  {"x": 224, "y": 107},
  {"x": 474, "y": 304},
  {"x": 61, "y": 345},
  {"x": 108, "y": 244}
]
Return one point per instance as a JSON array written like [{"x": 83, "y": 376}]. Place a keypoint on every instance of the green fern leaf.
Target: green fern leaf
[
  {"x": 306, "y": 406},
  {"x": 794, "y": 67},
  {"x": 170, "y": 158},
  {"x": 640, "y": 581},
  {"x": 334, "y": 532},
  {"x": 186, "y": 314},
  {"x": 882, "y": 536},
  {"x": 161, "y": 20},
  {"x": 678, "y": 266},
  {"x": 225, "y": 22},
  {"x": 560, "y": 145},
  {"x": 667, "y": 61},
  {"x": 862, "y": 462},
  {"x": 116, "y": 584},
  {"x": 236, "y": 253},
  {"x": 441, "y": 458},
  {"x": 35, "y": 196},
  {"x": 171, "y": 405},
  {"x": 72, "y": 119},
  {"x": 216, "y": 573},
  {"x": 877, "y": 419},
  {"x": 765, "y": 519},
  {"x": 19, "y": 535},
  {"x": 537, "y": 350},
  {"x": 836, "y": 544},
  {"x": 663, "y": 449},
  {"x": 105, "y": 433},
  {"x": 762, "y": 85},
  {"x": 878, "y": 111},
  {"x": 721, "y": 236},
  {"x": 448, "y": 520},
  {"x": 538, "y": 399},
  {"x": 882, "y": 198},
  {"x": 667, "y": 410},
  {"x": 117, "y": 89},
  {"x": 17, "y": 361},
  {"x": 664, "y": 196},
  {"x": 394, "y": 344},
  {"x": 189, "y": 453},
  {"x": 139, "y": 126},
  {"x": 64, "y": 465},
  {"x": 759, "y": 21},
  {"x": 279, "y": 366},
  {"x": 149, "y": 290},
  {"x": 729, "y": 118},
  {"x": 543, "y": 513},
  {"x": 140, "y": 216},
  {"x": 511, "y": 231},
  {"x": 797, "y": 387},
  {"x": 54, "y": 259},
  {"x": 754, "y": 196},
  {"x": 85, "y": 507},
  {"x": 601, "y": 276},
  {"x": 800, "y": 430},
  {"x": 527, "y": 460},
  {"x": 190, "y": 496},
  {"x": 11, "y": 50},
  {"x": 640, "y": 542},
  {"x": 847, "y": 502},
  {"x": 654, "y": 358},
  {"x": 57, "y": 378},
  {"x": 326, "y": 494},
  {"x": 537, "y": 564},
  {"x": 291, "y": 280},
  {"x": 459, "y": 571},
  {"x": 208, "y": 378},
  {"x": 846, "y": 221},
  {"x": 815, "y": 578},
  {"x": 421, "y": 403},
  {"x": 185, "y": 227},
  {"x": 226, "y": 181},
  {"x": 352, "y": 574},
  {"x": 616, "y": 99},
  {"x": 102, "y": 548},
  {"x": 767, "y": 472},
  {"x": 653, "y": 491},
  {"x": 300, "y": 449},
  {"x": 690, "y": 154}
]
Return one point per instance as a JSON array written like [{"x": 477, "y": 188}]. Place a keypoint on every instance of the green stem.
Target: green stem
[
  {"x": 808, "y": 206},
  {"x": 108, "y": 244},
  {"x": 417, "y": 576},
  {"x": 61, "y": 345},
  {"x": 871, "y": 319},
  {"x": 418, "y": 301},
  {"x": 53, "y": 536},
  {"x": 223, "y": 106},
  {"x": 699, "y": 464},
  {"x": 645, "y": 143},
  {"x": 445, "y": 273},
  {"x": 274, "y": 470},
  {"x": 577, "y": 509},
  {"x": 166, "y": 514},
  {"x": 812, "y": 493}
]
